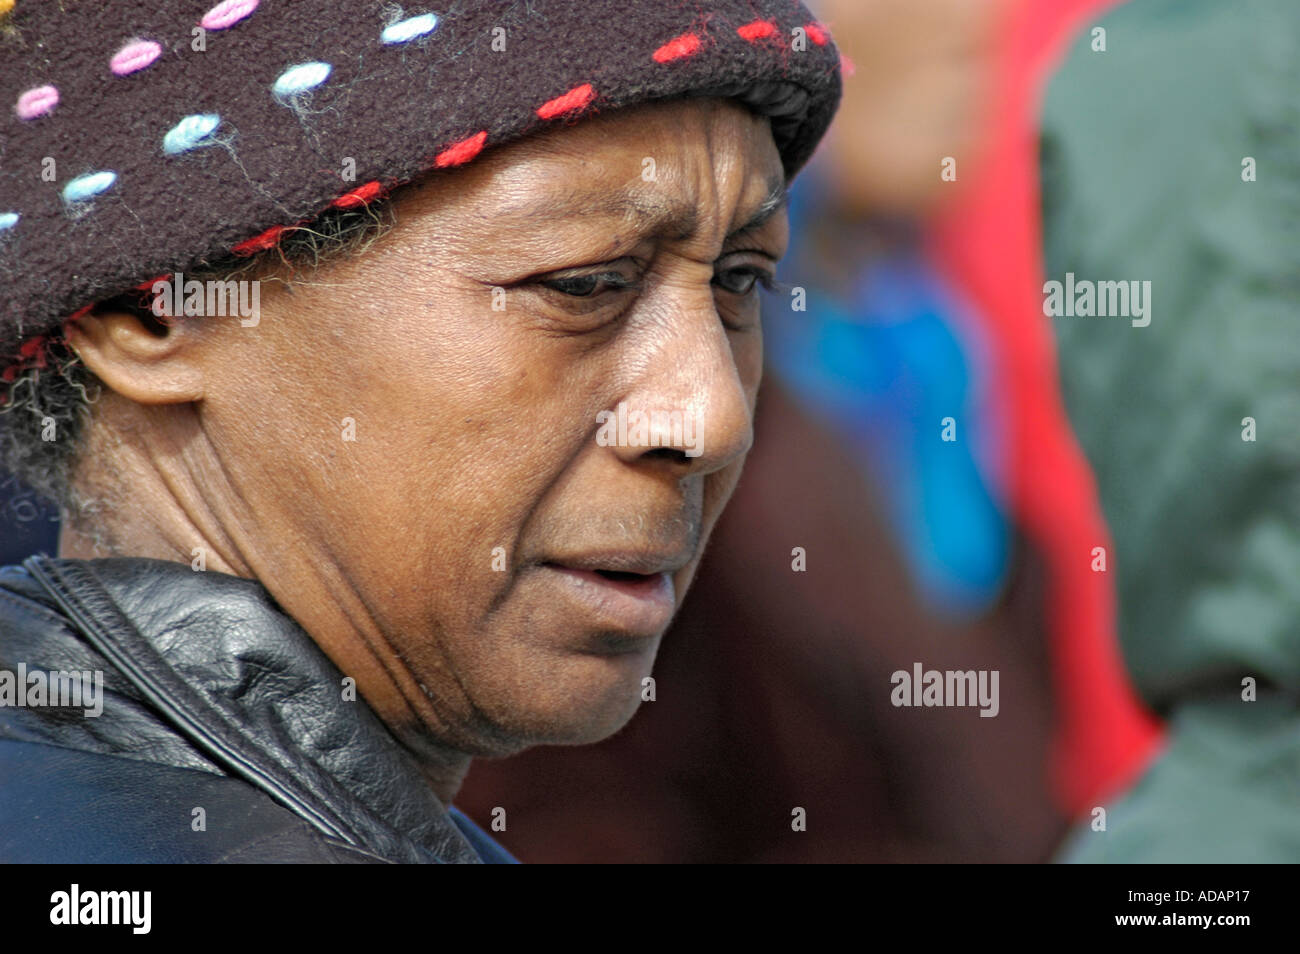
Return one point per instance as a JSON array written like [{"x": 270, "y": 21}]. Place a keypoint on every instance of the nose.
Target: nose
[{"x": 689, "y": 402}]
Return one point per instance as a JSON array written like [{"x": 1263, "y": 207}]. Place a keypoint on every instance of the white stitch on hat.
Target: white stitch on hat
[
  {"x": 88, "y": 186},
  {"x": 191, "y": 133},
  {"x": 406, "y": 30},
  {"x": 298, "y": 79}
]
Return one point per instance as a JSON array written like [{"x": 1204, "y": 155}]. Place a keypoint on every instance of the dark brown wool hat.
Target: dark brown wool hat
[{"x": 143, "y": 137}]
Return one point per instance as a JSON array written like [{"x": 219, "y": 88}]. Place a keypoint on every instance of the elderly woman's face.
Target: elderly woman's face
[{"x": 496, "y": 554}]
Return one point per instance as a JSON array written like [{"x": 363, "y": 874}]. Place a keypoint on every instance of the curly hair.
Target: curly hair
[{"x": 47, "y": 408}]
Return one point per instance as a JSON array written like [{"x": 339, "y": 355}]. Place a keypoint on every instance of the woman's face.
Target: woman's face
[{"x": 431, "y": 455}]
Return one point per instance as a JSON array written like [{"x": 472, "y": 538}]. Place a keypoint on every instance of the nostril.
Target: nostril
[{"x": 668, "y": 453}]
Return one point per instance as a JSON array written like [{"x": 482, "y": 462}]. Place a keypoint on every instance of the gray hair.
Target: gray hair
[{"x": 47, "y": 415}]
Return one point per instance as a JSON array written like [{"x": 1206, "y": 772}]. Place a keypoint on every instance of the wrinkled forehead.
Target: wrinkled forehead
[{"x": 663, "y": 169}]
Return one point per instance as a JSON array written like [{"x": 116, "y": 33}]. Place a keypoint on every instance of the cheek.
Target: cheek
[
  {"x": 456, "y": 441},
  {"x": 748, "y": 355},
  {"x": 747, "y": 352}
]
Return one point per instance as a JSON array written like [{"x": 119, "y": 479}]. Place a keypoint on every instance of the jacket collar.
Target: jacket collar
[{"x": 225, "y": 668}]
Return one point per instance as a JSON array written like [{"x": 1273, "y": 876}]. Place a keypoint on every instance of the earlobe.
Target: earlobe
[{"x": 134, "y": 361}]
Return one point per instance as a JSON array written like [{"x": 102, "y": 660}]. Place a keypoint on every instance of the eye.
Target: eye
[
  {"x": 586, "y": 299},
  {"x": 587, "y": 286},
  {"x": 741, "y": 280}
]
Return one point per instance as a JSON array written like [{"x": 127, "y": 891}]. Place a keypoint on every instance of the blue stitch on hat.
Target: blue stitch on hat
[
  {"x": 297, "y": 79},
  {"x": 88, "y": 186},
  {"x": 405, "y": 30},
  {"x": 8, "y": 220},
  {"x": 191, "y": 133}
]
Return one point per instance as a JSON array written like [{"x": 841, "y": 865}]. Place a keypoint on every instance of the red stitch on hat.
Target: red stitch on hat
[
  {"x": 362, "y": 195},
  {"x": 259, "y": 242},
  {"x": 31, "y": 346},
  {"x": 575, "y": 98},
  {"x": 31, "y": 354},
  {"x": 757, "y": 30},
  {"x": 846, "y": 66},
  {"x": 676, "y": 48},
  {"x": 148, "y": 286},
  {"x": 817, "y": 33},
  {"x": 463, "y": 151}
]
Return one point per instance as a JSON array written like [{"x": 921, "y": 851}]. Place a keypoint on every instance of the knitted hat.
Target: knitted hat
[{"x": 149, "y": 136}]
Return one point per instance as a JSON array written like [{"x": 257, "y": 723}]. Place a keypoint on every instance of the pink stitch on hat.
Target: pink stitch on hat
[
  {"x": 36, "y": 102},
  {"x": 136, "y": 55},
  {"x": 227, "y": 13}
]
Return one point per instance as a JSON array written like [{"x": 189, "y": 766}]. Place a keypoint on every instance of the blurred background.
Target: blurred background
[
  {"x": 950, "y": 461},
  {"x": 773, "y": 685}
]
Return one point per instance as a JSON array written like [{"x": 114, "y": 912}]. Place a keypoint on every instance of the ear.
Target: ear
[{"x": 135, "y": 361}]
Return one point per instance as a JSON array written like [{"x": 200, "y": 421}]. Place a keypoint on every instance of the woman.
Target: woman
[{"x": 313, "y": 336}]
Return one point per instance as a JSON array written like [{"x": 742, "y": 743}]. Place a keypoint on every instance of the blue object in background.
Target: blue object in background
[{"x": 885, "y": 369}]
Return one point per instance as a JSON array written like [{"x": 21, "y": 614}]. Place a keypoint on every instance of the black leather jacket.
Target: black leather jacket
[{"x": 213, "y": 699}]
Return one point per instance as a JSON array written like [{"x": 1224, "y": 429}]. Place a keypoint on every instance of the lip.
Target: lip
[
  {"x": 646, "y": 563},
  {"x": 637, "y": 607}
]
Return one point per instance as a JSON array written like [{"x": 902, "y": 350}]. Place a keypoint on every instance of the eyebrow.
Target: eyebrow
[
  {"x": 776, "y": 199},
  {"x": 677, "y": 219}
]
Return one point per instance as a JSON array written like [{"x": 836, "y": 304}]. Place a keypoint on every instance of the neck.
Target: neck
[{"x": 183, "y": 525}]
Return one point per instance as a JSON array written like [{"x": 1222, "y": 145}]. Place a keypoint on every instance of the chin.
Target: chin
[
  {"x": 588, "y": 729},
  {"x": 599, "y": 699}
]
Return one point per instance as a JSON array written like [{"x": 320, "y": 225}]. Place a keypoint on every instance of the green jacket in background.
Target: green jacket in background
[{"x": 1173, "y": 156}]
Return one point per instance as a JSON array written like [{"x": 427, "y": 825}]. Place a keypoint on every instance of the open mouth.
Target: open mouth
[
  {"x": 619, "y": 576},
  {"x": 620, "y": 600},
  {"x": 613, "y": 576}
]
